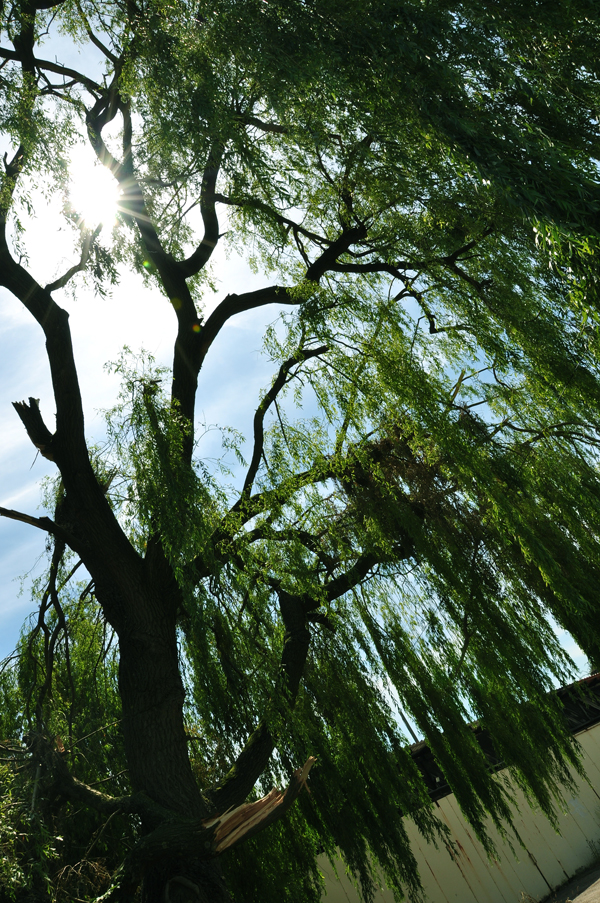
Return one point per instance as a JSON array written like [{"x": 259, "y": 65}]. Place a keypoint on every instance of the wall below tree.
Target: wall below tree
[{"x": 547, "y": 861}]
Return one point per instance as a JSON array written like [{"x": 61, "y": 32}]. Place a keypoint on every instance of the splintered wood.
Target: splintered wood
[{"x": 249, "y": 818}]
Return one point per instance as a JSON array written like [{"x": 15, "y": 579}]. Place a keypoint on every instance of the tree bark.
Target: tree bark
[{"x": 152, "y": 695}]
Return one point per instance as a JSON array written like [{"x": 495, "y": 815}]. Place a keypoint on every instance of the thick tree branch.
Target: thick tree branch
[
  {"x": 61, "y": 782},
  {"x": 202, "y": 254},
  {"x": 263, "y": 126},
  {"x": 275, "y": 294},
  {"x": 12, "y": 170},
  {"x": 187, "y": 357},
  {"x": 42, "y": 523},
  {"x": 296, "y": 611},
  {"x": 477, "y": 284},
  {"x": 245, "y": 508},
  {"x": 236, "y": 304},
  {"x": 102, "y": 113},
  {"x": 47, "y": 65},
  {"x": 308, "y": 540},
  {"x": 351, "y": 578},
  {"x": 329, "y": 257},
  {"x": 54, "y": 321},
  {"x": 377, "y": 266},
  {"x": 188, "y": 352},
  {"x": 255, "y": 755},
  {"x": 296, "y": 642},
  {"x": 318, "y": 617},
  {"x": 55, "y": 324},
  {"x": 133, "y": 204},
  {"x": 396, "y": 270},
  {"x": 246, "y": 770},
  {"x": 32, "y": 420},
  {"x": 99, "y": 540},
  {"x": 464, "y": 249},
  {"x": 248, "y": 507}
]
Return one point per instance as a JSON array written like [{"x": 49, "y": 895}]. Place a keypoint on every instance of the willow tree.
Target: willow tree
[{"x": 418, "y": 184}]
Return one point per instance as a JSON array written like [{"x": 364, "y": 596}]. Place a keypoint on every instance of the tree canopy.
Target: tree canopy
[{"x": 417, "y": 183}]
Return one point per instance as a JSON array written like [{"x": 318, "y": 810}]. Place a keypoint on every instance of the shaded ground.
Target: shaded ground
[{"x": 584, "y": 888}]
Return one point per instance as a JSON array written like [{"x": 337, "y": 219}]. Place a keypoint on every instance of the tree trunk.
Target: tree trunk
[{"x": 152, "y": 695}]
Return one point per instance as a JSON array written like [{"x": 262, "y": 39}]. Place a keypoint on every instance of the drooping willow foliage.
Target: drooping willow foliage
[{"x": 417, "y": 504}]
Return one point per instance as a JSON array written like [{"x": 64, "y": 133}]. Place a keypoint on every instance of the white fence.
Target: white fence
[{"x": 470, "y": 877}]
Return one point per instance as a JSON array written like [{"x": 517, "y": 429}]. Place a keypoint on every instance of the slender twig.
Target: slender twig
[
  {"x": 283, "y": 377},
  {"x": 93, "y": 38}
]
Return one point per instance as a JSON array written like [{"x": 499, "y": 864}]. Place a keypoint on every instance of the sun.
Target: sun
[{"x": 93, "y": 191}]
